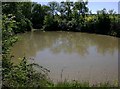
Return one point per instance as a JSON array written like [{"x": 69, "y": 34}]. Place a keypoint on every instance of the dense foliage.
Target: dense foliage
[
  {"x": 68, "y": 16},
  {"x": 21, "y": 75},
  {"x": 63, "y": 16},
  {"x": 22, "y": 12}
]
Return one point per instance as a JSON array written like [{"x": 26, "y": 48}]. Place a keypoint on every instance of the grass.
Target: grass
[
  {"x": 24, "y": 75},
  {"x": 76, "y": 84}
]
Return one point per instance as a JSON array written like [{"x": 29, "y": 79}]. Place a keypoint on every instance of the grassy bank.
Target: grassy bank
[{"x": 24, "y": 75}]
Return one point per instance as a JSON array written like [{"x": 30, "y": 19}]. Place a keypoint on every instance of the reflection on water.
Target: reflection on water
[{"x": 81, "y": 56}]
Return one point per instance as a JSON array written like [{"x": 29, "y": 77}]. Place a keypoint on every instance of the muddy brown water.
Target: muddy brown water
[{"x": 71, "y": 55}]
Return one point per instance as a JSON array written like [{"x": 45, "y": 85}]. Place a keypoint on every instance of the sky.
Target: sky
[{"x": 93, "y": 5}]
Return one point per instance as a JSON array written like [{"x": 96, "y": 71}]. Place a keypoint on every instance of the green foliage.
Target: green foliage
[
  {"x": 23, "y": 25},
  {"x": 103, "y": 22},
  {"x": 81, "y": 7},
  {"x": 37, "y": 15},
  {"x": 65, "y": 16},
  {"x": 24, "y": 75},
  {"x": 8, "y": 24},
  {"x": 22, "y": 14},
  {"x": 50, "y": 24},
  {"x": 26, "y": 9},
  {"x": 82, "y": 85},
  {"x": 72, "y": 84},
  {"x": 70, "y": 16},
  {"x": 21, "y": 75},
  {"x": 115, "y": 25},
  {"x": 53, "y": 8}
]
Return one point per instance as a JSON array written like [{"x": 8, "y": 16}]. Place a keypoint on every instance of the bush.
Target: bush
[
  {"x": 24, "y": 74},
  {"x": 103, "y": 24},
  {"x": 50, "y": 24}
]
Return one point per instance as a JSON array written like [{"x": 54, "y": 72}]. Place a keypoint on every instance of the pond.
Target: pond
[{"x": 71, "y": 55}]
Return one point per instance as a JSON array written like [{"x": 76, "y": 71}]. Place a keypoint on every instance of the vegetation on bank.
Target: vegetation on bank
[
  {"x": 63, "y": 16},
  {"x": 21, "y": 75},
  {"x": 19, "y": 17}
]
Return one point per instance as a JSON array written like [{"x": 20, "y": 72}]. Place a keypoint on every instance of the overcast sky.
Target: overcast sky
[{"x": 93, "y": 5}]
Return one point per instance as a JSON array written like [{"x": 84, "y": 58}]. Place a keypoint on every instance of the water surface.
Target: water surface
[{"x": 71, "y": 55}]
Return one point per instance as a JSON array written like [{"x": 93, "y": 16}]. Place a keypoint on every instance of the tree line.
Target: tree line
[{"x": 63, "y": 16}]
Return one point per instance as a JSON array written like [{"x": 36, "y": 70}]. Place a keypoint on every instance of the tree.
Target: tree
[
  {"x": 68, "y": 10},
  {"x": 26, "y": 8},
  {"x": 37, "y": 15},
  {"x": 22, "y": 19},
  {"x": 103, "y": 23},
  {"x": 80, "y": 8},
  {"x": 53, "y": 7}
]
